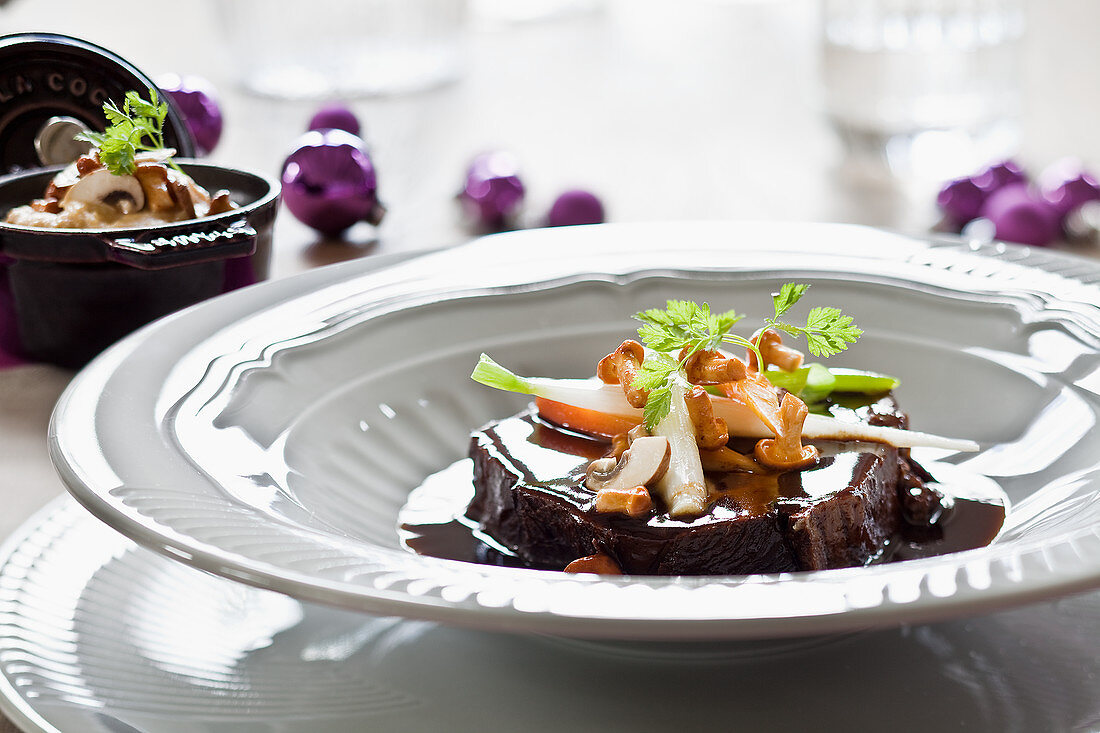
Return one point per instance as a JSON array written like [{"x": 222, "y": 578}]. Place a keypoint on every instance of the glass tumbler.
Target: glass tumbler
[{"x": 923, "y": 88}]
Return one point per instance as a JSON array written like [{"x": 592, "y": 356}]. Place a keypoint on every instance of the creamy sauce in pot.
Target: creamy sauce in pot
[
  {"x": 155, "y": 194},
  {"x": 83, "y": 215}
]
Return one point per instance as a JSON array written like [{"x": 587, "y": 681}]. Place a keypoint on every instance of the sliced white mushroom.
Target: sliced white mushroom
[
  {"x": 643, "y": 464},
  {"x": 103, "y": 187}
]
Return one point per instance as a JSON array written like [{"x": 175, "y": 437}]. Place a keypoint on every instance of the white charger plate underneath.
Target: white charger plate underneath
[{"x": 97, "y": 634}]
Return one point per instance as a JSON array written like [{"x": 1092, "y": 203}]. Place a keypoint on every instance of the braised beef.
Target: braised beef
[{"x": 530, "y": 497}]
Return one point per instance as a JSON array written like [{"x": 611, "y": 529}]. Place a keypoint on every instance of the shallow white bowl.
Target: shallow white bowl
[{"x": 273, "y": 435}]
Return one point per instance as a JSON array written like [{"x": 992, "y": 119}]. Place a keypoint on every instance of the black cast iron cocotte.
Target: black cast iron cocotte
[{"x": 66, "y": 294}]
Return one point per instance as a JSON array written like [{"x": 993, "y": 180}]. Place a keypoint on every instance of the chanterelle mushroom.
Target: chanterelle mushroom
[
  {"x": 786, "y": 451},
  {"x": 644, "y": 463},
  {"x": 103, "y": 187},
  {"x": 774, "y": 352},
  {"x": 621, "y": 366}
]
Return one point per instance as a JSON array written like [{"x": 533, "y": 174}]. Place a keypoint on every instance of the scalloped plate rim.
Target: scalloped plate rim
[{"x": 374, "y": 600}]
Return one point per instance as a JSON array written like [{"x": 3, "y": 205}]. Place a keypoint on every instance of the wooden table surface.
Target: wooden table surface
[{"x": 689, "y": 110}]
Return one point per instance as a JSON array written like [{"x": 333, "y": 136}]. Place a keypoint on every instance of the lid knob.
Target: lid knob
[{"x": 56, "y": 142}]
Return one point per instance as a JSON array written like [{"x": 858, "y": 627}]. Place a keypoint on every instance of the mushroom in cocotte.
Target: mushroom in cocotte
[
  {"x": 106, "y": 189},
  {"x": 127, "y": 180}
]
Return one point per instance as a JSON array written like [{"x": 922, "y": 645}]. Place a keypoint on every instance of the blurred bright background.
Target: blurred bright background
[
  {"x": 698, "y": 109},
  {"x": 784, "y": 110}
]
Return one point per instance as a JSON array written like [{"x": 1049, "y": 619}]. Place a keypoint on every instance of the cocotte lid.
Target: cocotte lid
[{"x": 51, "y": 85}]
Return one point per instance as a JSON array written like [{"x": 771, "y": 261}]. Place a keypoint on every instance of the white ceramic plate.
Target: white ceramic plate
[
  {"x": 98, "y": 635},
  {"x": 272, "y": 436}
]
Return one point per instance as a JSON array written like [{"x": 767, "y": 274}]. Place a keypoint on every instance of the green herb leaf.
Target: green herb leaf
[
  {"x": 684, "y": 323},
  {"x": 787, "y": 296},
  {"x": 655, "y": 371},
  {"x": 137, "y": 127},
  {"x": 656, "y": 375},
  {"x": 114, "y": 115},
  {"x": 657, "y": 406},
  {"x": 828, "y": 331},
  {"x": 151, "y": 109}
]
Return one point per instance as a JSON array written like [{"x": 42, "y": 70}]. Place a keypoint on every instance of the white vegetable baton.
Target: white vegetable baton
[
  {"x": 682, "y": 488},
  {"x": 591, "y": 394}
]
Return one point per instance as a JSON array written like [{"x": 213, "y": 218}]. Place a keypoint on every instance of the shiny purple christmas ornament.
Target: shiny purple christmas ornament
[
  {"x": 961, "y": 201},
  {"x": 1066, "y": 185},
  {"x": 999, "y": 175},
  {"x": 493, "y": 193},
  {"x": 335, "y": 117},
  {"x": 198, "y": 102},
  {"x": 329, "y": 182},
  {"x": 1019, "y": 215},
  {"x": 575, "y": 207}
]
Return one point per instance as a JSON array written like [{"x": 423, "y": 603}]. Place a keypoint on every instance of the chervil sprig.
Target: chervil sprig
[
  {"x": 687, "y": 327},
  {"x": 657, "y": 374},
  {"x": 683, "y": 326},
  {"x": 138, "y": 126},
  {"x": 787, "y": 296},
  {"x": 827, "y": 330},
  {"x": 684, "y": 323}
]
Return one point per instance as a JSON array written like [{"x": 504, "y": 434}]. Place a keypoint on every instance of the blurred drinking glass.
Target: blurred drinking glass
[
  {"x": 343, "y": 48},
  {"x": 924, "y": 89}
]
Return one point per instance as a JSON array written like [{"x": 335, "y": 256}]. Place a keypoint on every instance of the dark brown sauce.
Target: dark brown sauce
[
  {"x": 444, "y": 532},
  {"x": 454, "y": 540},
  {"x": 966, "y": 524},
  {"x": 434, "y": 523}
]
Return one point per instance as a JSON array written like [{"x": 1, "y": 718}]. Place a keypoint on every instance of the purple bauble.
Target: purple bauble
[
  {"x": 1066, "y": 185},
  {"x": 575, "y": 207},
  {"x": 329, "y": 182},
  {"x": 961, "y": 201},
  {"x": 1021, "y": 216},
  {"x": 335, "y": 117},
  {"x": 998, "y": 175},
  {"x": 197, "y": 101},
  {"x": 493, "y": 192}
]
